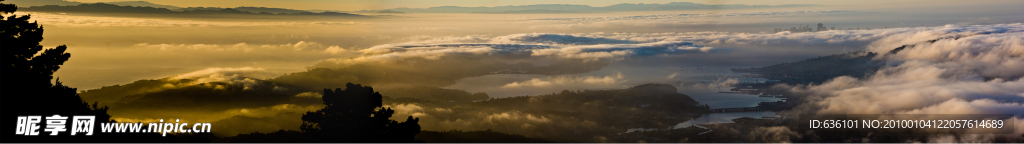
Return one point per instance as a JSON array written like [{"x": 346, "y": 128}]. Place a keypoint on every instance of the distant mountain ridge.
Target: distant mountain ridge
[
  {"x": 38, "y": 3},
  {"x": 270, "y": 10},
  {"x": 142, "y": 4},
  {"x": 562, "y": 8},
  {"x": 104, "y": 8},
  {"x": 29, "y": 3},
  {"x": 533, "y": 11}
]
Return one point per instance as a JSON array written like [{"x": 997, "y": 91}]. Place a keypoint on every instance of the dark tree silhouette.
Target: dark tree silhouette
[
  {"x": 21, "y": 67},
  {"x": 355, "y": 115},
  {"x": 26, "y": 75}
]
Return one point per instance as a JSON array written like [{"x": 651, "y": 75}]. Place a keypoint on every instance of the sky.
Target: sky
[{"x": 354, "y": 5}]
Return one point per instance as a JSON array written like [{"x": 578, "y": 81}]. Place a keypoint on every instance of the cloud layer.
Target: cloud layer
[
  {"x": 528, "y": 45},
  {"x": 621, "y": 45},
  {"x": 967, "y": 70},
  {"x": 980, "y": 72}
]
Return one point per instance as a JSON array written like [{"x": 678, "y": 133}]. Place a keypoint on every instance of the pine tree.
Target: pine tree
[{"x": 355, "y": 115}]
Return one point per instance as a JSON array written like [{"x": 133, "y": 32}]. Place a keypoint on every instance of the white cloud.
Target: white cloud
[
  {"x": 243, "y": 72},
  {"x": 622, "y": 45},
  {"x": 335, "y": 50},
  {"x": 968, "y": 70},
  {"x": 533, "y": 44},
  {"x": 271, "y": 110},
  {"x": 975, "y": 72},
  {"x": 403, "y": 111},
  {"x": 667, "y": 21},
  {"x": 245, "y": 47},
  {"x": 562, "y": 81},
  {"x": 547, "y": 38},
  {"x": 695, "y": 15},
  {"x": 515, "y": 116},
  {"x": 245, "y": 76},
  {"x": 309, "y": 95}
]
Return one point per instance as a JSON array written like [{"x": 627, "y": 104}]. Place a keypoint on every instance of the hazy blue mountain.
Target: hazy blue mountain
[
  {"x": 264, "y": 10},
  {"x": 533, "y": 11},
  {"x": 104, "y": 8},
  {"x": 562, "y": 8},
  {"x": 29, "y": 3},
  {"x": 143, "y": 4},
  {"x": 270, "y": 10},
  {"x": 320, "y": 10},
  {"x": 199, "y": 8},
  {"x": 97, "y": 8}
]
